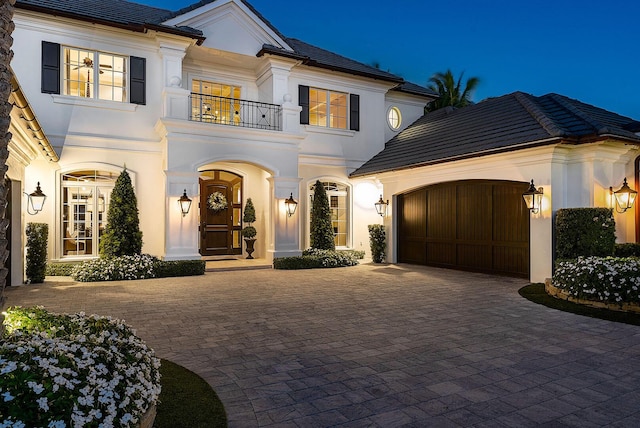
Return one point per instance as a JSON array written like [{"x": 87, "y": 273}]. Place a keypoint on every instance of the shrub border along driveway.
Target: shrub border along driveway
[{"x": 376, "y": 346}]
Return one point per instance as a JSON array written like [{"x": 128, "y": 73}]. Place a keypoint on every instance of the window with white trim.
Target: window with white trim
[
  {"x": 94, "y": 74},
  {"x": 327, "y": 108},
  {"x": 394, "y": 118}
]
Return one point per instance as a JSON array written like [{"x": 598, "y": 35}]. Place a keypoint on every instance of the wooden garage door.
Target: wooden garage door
[{"x": 477, "y": 225}]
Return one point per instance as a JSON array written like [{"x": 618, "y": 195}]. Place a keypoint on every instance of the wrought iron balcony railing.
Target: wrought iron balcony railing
[{"x": 235, "y": 112}]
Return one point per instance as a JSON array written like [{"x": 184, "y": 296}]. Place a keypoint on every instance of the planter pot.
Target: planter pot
[
  {"x": 249, "y": 242},
  {"x": 148, "y": 418}
]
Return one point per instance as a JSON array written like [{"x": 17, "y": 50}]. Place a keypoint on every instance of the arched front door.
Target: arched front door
[{"x": 220, "y": 213}]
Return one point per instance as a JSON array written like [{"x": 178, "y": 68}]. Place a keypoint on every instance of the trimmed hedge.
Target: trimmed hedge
[
  {"x": 37, "y": 236},
  {"x": 60, "y": 269},
  {"x": 584, "y": 232},
  {"x": 314, "y": 258},
  {"x": 171, "y": 268},
  {"x": 627, "y": 250}
]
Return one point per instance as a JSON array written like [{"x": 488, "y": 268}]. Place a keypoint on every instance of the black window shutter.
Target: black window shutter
[
  {"x": 50, "y": 68},
  {"x": 303, "y": 101},
  {"x": 137, "y": 79},
  {"x": 354, "y": 112}
]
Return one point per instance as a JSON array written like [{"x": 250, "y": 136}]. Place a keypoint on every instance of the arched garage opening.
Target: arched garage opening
[{"x": 476, "y": 225}]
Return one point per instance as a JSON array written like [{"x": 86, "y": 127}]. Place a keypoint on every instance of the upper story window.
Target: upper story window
[
  {"x": 330, "y": 109},
  {"x": 92, "y": 74},
  {"x": 215, "y": 102},
  {"x": 327, "y": 108},
  {"x": 394, "y": 118},
  {"x": 89, "y": 74}
]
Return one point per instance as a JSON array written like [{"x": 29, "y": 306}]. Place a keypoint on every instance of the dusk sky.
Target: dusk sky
[{"x": 586, "y": 49}]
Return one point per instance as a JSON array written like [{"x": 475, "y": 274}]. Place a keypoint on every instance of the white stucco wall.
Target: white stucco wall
[{"x": 571, "y": 176}]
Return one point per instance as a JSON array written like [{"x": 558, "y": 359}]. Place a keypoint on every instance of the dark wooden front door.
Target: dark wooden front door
[
  {"x": 479, "y": 225},
  {"x": 220, "y": 229}
]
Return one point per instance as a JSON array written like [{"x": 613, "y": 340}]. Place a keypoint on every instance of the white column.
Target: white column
[
  {"x": 181, "y": 232},
  {"x": 175, "y": 99},
  {"x": 286, "y": 229}
]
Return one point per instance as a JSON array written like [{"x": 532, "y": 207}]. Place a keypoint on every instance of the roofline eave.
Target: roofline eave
[
  {"x": 527, "y": 145},
  {"x": 138, "y": 28}
]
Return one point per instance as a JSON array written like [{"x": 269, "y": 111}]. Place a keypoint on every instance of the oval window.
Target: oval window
[{"x": 394, "y": 118}]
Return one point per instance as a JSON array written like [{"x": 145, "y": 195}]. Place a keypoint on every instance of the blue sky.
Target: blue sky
[{"x": 586, "y": 49}]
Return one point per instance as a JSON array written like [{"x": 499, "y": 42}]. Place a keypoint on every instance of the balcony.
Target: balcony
[{"x": 235, "y": 112}]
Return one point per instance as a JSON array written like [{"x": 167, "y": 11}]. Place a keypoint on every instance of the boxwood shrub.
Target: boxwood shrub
[
  {"x": 627, "y": 250},
  {"x": 169, "y": 268},
  {"x": 583, "y": 232},
  {"x": 605, "y": 279},
  {"x": 60, "y": 268},
  {"x": 315, "y": 258},
  {"x": 37, "y": 236}
]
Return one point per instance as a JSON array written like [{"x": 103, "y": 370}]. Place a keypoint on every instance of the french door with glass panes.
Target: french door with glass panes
[{"x": 85, "y": 201}]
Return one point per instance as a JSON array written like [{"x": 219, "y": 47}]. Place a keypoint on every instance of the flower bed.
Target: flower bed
[
  {"x": 141, "y": 266},
  {"x": 59, "y": 370},
  {"x": 610, "y": 280},
  {"x": 314, "y": 258}
]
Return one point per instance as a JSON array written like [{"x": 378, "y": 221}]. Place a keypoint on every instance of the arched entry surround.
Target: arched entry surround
[
  {"x": 255, "y": 185},
  {"x": 477, "y": 225}
]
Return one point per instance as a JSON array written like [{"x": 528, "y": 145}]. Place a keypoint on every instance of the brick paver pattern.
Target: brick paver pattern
[{"x": 375, "y": 345}]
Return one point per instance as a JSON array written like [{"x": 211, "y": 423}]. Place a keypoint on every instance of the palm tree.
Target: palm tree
[
  {"x": 6, "y": 16},
  {"x": 449, "y": 90}
]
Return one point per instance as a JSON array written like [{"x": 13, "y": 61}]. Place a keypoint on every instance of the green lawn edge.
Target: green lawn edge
[
  {"x": 187, "y": 400},
  {"x": 535, "y": 293}
]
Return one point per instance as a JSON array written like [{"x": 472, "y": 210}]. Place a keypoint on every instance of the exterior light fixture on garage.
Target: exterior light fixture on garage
[
  {"x": 291, "y": 205},
  {"x": 35, "y": 200},
  {"x": 533, "y": 198},
  {"x": 381, "y": 206},
  {"x": 625, "y": 197},
  {"x": 185, "y": 203}
]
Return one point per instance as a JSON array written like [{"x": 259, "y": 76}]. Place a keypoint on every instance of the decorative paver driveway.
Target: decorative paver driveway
[{"x": 375, "y": 346}]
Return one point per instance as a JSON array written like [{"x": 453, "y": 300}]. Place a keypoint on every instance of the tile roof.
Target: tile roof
[
  {"x": 505, "y": 123},
  {"x": 137, "y": 17},
  {"x": 119, "y": 13}
]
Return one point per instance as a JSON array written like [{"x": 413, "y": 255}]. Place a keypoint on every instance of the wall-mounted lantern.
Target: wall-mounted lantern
[
  {"x": 625, "y": 197},
  {"x": 381, "y": 206},
  {"x": 291, "y": 205},
  {"x": 533, "y": 198},
  {"x": 185, "y": 203},
  {"x": 35, "y": 201}
]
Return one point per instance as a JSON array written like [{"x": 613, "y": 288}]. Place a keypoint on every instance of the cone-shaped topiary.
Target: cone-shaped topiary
[
  {"x": 321, "y": 228},
  {"x": 122, "y": 236},
  {"x": 37, "y": 236},
  {"x": 249, "y": 216}
]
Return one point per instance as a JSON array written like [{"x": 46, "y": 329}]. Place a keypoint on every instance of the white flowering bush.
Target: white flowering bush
[
  {"x": 332, "y": 258},
  {"x": 59, "y": 370},
  {"x": 139, "y": 266},
  {"x": 315, "y": 258},
  {"x": 605, "y": 279}
]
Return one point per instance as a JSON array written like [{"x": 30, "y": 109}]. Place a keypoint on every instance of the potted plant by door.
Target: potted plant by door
[{"x": 249, "y": 232}]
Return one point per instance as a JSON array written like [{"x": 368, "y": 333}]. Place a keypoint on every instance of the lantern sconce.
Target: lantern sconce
[
  {"x": 35, "y": 201},
  {"x": 382, "y": 206},
  {"x": 185, "y": 203},
  {"x": 291, "y": 205},
  {"x": 624, "y": 197},
  {"x": 533, "y": 198}
]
